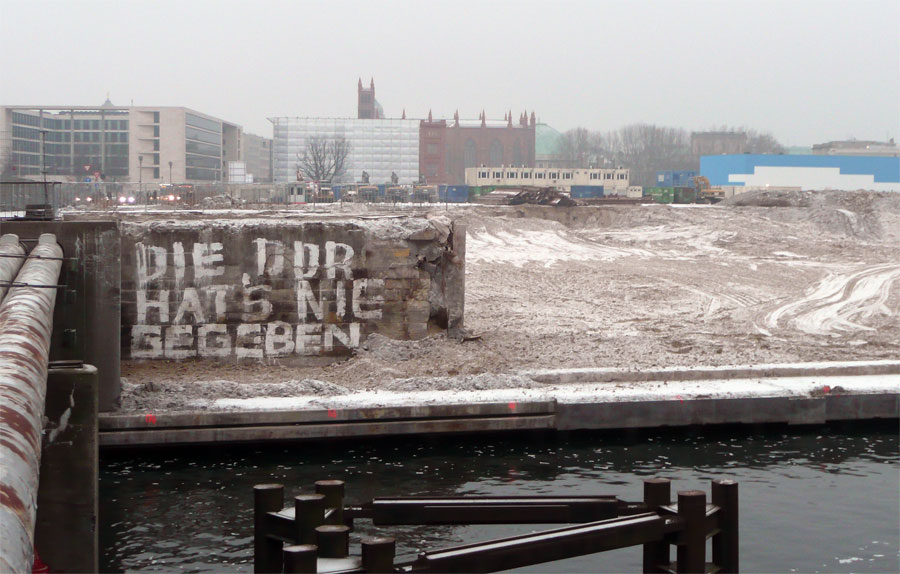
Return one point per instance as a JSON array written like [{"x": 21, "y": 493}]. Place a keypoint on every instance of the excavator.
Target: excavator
[{"x": 705, "y": 193}]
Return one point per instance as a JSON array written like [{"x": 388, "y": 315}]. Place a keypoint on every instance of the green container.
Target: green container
[
  {"x": 663, "y": 194},
  {"x": 685, "y": 195}
]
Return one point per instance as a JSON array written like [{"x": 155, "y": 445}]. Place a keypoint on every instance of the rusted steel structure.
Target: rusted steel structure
[
  {"x": 12, "y": 255},
  {"x": 26, "y": 324},
  {"x": 318, "y": 542}
]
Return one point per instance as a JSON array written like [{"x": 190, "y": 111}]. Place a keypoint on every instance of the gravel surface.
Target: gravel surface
[{"x": 761, "y": 278}]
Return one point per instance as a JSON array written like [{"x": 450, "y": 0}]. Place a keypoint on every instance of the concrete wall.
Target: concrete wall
[
  {"x": 282, "y": 289},
  {"x": 66, "y": 527}
]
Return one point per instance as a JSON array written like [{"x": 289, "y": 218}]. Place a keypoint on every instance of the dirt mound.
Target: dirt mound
[
  {"x": 765, "y": 198},
  {"x": 542, "y": 196},
  {"x": 384, "y": 348}
]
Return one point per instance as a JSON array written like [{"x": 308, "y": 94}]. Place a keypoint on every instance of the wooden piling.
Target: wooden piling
[
  {"x": 300, "y": 559},
  {"x": 725, "y": 543},
  {"x": 657, "y": 492},
  {"x": 378, "y": 555},
  {"x": 266, "y": 551},
  {"x": 692, "y": 546},
  {"x": 334, "y": 498},
  {"x": 309, "y": 513},
  {"x": 333, "y": 540}
]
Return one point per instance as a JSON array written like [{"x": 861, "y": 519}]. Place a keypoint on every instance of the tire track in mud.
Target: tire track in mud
[{"x": 839, "y": 302}]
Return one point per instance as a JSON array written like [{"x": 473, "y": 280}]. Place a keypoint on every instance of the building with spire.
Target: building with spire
[
  {"x": 436, "y": 150},
  {"x": 368, "y": 107}
]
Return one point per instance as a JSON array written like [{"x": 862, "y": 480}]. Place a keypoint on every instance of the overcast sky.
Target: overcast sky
[{"x": 806, "y": 70}]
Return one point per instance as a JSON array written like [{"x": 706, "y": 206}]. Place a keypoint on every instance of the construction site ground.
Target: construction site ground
[{"x": 758, "y": 279}]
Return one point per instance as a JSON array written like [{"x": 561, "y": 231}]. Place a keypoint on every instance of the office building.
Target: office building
[
  {"x": 380, "y": 147},
  {"x": 116, "y": 143}
]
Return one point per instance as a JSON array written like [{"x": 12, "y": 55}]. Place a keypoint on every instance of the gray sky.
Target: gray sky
[{"x": 806, "y": 70}]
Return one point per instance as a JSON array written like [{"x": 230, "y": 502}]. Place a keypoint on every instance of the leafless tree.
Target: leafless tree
[
  {"x": 763, "y": 143},
  {"x": 324, "y": 159},
  {"x": 646, "y": 149},
  {"x": 578, "y": 148}
]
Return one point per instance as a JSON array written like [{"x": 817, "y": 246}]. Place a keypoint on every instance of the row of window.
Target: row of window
[
  {"x": 203, "y": 123},
  {"x": 69, "y": 124},
  {"x": 202, "y": 174},
  {"x": 25, "y": 145},
  {"x": 201, "y": 148},
  {"x": 200, "y": 161},
  {"x": 195, "y": 134},
  {"x": 547, "y": 175}
]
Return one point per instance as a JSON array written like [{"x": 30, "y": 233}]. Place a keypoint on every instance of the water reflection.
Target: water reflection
[{"x": 810, "y": 499}]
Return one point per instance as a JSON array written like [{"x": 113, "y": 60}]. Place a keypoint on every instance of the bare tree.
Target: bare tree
[
  {"x": 578, "y": 148},
  {"x": 763, "y": 143},
  {"x": 646, "y": 149},
  {"x": 324, "y": 159}
]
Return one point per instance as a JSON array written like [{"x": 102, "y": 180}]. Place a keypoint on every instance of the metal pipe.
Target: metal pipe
[
  {"x": 26, "y": 324},
  {"x": 9, "y": 266}
]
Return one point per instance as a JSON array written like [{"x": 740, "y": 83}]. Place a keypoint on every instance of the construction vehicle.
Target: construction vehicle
[
  {"x": 397, "y": 194},
  {"x": 369, "y": 193},
  {"x": 705, "y": 193},
  {"x": 425, "y": 194}
]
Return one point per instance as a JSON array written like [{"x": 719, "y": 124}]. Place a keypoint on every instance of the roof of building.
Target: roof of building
[{"x": 546, "y": 140}]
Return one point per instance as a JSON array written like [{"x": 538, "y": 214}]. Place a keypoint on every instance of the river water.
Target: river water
[{"x": 812, "y": 499}]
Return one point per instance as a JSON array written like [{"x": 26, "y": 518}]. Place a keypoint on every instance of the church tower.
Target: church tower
[{"x": 366, "y": 105}]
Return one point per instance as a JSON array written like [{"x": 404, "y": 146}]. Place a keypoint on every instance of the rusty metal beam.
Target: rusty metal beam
[
  {"x": 11, "y": 258},
  {"x": 26, "y": 323},
  {"x": 546, "y": 546}
]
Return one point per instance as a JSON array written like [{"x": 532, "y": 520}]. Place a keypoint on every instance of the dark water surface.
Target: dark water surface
[{"x": 816, "y": 499}]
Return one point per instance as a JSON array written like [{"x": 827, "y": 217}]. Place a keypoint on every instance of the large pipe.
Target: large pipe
[
  {"x": 12, "y": 255},
  {"x": 26, "y": 323}
]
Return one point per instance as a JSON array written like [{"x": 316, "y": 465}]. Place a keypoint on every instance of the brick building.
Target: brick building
[
  {"x": 367, "y": 107},
  {"x": 448, "y": 147}
]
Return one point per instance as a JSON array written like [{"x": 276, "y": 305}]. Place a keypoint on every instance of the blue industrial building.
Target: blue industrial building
[{"x": 809, "y": 172}]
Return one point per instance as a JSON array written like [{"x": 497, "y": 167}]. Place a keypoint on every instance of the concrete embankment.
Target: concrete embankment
[{"x": 811, "y": 393}]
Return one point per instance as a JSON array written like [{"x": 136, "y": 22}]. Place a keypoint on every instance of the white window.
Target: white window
[
  {"x": 498, "y": 175},
  {"x": 553, "y": 175},
  {"x": 567, "y": 175},
  {"x": 609, "y": 176},
  {"x": 512, "y": 175},
  {"x": 539, "y": 176},
  {"x": 526, "y": 175}
]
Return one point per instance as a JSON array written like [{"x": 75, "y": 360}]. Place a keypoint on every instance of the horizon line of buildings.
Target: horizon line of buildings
[{"x": 168, "y": 144}]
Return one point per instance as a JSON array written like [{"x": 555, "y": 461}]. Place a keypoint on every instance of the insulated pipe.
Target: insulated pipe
[
  {"x": 12, "y": 255},
  {"x": 26, "y": 323}
]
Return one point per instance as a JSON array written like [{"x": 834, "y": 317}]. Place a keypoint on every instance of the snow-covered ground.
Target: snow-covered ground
[{"x": 629, "y": 287}]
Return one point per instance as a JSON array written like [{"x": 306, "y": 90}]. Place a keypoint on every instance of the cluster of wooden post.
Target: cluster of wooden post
[
  {"x": 691, "y": 540},
  {"x": 315, "y": 534},
  {"x": 320, "y": 532}
]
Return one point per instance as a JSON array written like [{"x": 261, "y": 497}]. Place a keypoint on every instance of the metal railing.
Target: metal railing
[{"x": 28, "y": 199}]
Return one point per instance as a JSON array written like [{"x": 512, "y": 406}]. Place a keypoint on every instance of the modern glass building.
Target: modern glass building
[
  {"x": 378, "y": 146},
  {"x": 116, "y": 143}
]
